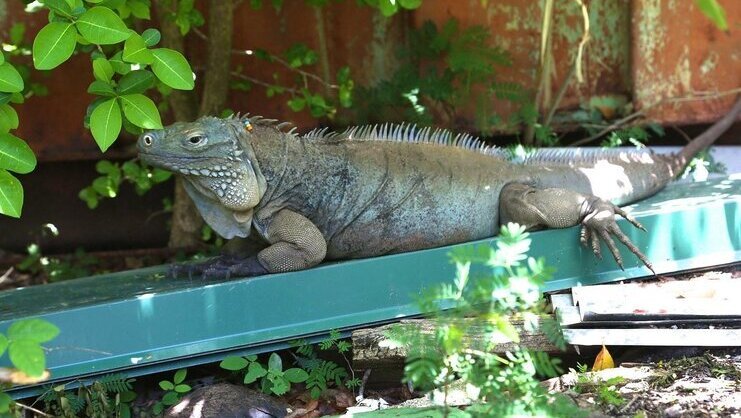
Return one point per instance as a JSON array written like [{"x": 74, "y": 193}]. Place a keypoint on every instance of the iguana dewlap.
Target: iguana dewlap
[{"x": 384, "y": 189}]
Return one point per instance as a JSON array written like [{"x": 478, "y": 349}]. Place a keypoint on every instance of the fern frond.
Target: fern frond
[{"x": 116, "y": 383}]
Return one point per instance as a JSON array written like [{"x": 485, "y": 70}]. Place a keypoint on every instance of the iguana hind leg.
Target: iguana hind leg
[{"x": 562, "y": 208}]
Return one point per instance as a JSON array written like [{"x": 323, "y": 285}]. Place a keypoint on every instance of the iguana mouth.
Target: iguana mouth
[{"x": 209, "y": 166}]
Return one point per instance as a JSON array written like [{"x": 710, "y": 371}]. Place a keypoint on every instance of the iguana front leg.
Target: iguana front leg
[
  {"x": 295, "y": 244},
  {"x": 561, "y": 208}
]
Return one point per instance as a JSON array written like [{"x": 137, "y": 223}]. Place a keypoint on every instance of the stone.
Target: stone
[{"x": 224, "y": 400}]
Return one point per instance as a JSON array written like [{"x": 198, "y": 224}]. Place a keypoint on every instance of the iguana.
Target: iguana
[{"x": 382, "y": 189}]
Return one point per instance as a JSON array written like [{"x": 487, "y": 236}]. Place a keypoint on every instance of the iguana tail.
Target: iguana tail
[{"x": 704, "y": 140}]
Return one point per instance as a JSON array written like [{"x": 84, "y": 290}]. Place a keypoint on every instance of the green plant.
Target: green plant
[
  {"x": 23, "y": 344},
  {"x": 441, "y": 71},
  {"x": 126, "y": 65},
  {"x": 492, "y": 286},
  {"x": 323, "y": 373},
  {"x": 174, "y": 390},
  {"x": 55, "y": 269},
  {"x": 605, "y": 390},
  {"x": 142, "y": 177},
  {"x": 109, "y": 396},
  {"x": 273, "y": 379}
]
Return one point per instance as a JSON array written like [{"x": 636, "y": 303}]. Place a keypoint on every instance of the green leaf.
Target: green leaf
[
  {"x": 11, "y": 195},
  {"x": 166, "y": 385},
  {"x": 233, "y": 363},
  {"x": 102, "y": 69},
  {"x": 59, "y": 6},
  {"x": 137, "y": 81},
  {"x": 135, "y": 50},
  {"x": 10, "y": 80},
  {"x": 410, "y": 4},
  {"x": 507, "y": 329},
  {"x": 53, "y": 45},
  {"x": 180, "y": 376},
  {"x": 139, "y": 9},
  {"x": 17, "y": 33},
  {"x": 182, "y": 388},
  {"x": 100, "y": 25},
  {"x": 141, "y": 111},
  {"x": 101, "y": 88},
  {"x": 173, "y": 69},
  {"x": 713, "y": 11},
  {"x": 8, "y": 118},
  {"x": 296, "y": 375},
  {"x": 3, "y": 344},
  {"x": 15, "y": 154},
  {"x": 5, "y": 401},
  {"x": 28, "y": 357},
  {"x": 170, "y": 398},
  {"x": 280, "y": 386},
  {"x": 90, "y": 197},
  {"x": 388, "y": 7},
  {"x": 105, "y": 123},
  {"x": 254, "y": 372},
  {"x": 275, "y": 364},
  {"x": 36, "y": 330},
  {"x": 297, "y": 103},
  {"x": 151, "y": 37}
]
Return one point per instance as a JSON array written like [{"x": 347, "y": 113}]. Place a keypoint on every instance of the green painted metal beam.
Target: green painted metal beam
[{"x": 139, "y": 321}]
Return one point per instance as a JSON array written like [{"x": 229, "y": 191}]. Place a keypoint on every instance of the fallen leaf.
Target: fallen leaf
[
  {"x": 603, "y": 360},
  {"x": 17, "y": 377}
]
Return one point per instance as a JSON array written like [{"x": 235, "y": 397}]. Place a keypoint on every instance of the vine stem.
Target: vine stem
[{"x": 635, "y": 115}]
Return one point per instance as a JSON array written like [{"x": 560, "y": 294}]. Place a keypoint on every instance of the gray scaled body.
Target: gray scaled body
[{"x": 384, "y": 189}]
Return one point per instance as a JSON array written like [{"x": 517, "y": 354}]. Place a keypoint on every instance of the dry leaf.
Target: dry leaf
[
  {"x": 17, "y": 377},
  {"x": 603, "y": 360}
]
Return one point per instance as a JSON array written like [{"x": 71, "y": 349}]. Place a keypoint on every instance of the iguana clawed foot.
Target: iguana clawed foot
[
  {"x": 599, "y": 224},
  {"x": 221, "y": 267}
]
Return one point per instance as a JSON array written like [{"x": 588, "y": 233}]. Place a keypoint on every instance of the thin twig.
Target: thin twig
[
  {"x": 6, "y": 275},
  {"x": 34, "y": 410},
  {"x": 682, "y": 133},
  {"x": 620, "y": 122},
  {"x": 559, "y": 95},
  {"x": 275, "y": 58},
  {"x": 262, "y": 83}
]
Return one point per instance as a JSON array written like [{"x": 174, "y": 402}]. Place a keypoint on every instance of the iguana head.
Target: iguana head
[{"x": 220, "y": 170}]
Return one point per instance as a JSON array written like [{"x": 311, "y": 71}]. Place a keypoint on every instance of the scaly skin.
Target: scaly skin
[{"x": 369, "y": 192}]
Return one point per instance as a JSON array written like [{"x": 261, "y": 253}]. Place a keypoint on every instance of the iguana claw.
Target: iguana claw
[
  {"x": 221, "y": 267},
  {"x": 599, "y": 224}
]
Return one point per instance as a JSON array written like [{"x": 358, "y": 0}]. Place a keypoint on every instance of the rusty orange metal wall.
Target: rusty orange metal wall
[
  {"x": 678, "y": 52},
  {"x": 646, "y": 50}
]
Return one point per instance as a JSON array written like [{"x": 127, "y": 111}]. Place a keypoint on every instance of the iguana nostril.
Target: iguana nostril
[{"x": 147, "y": 139}]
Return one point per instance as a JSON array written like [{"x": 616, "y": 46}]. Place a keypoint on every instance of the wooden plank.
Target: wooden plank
[
  {"x": 563, "y": 306},
  {"x": 372, "y": 345},
  {"x": 695, "y": 298},
  {"x": 655, "y": 337},
  {"x": 718, "y": 286}
]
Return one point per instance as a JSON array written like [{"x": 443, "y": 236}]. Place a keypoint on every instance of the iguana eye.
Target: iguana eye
[{"x": 196, "y": 139}]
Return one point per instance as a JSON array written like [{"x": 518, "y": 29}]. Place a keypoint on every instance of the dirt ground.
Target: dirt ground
[{"x": 704, "y": 386}]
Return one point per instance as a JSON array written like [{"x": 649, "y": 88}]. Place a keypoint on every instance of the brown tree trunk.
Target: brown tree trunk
[
  {"x": 186, "y": 226},
  {"x": 219, "y": 50}
]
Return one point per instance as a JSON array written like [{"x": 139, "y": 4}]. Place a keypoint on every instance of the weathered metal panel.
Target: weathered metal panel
[
  {"x": 139, "y": 321},
  {"x": 678, "y": 52},
  {"x": 516, "y": 27}
]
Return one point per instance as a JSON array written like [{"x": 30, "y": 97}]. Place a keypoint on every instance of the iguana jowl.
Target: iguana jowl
[{"x": 384, "y": 189}]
